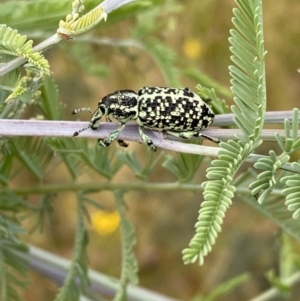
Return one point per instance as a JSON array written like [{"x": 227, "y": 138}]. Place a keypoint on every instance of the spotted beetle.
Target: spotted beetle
[{"x": 179, "y": 112}]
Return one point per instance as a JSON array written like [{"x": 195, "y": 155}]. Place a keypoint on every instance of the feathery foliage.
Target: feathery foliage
[
  {"x": 12, "y": 43},
  {"x": 291, "y": 191},
  {"x": 77, "y": 279},
  {"x": 48, "y": 104},
  {"x": 25, "y": 148},
  {"x": 184, "y": 166},
  {"x": 12, "y": 265},
  {"x": 248, "y": 87},
  {"x": 45, "y": 15},
  {"x": 219, "y": 106},
  {"x": 17, "y": 93},
  {"x": 140, "y": 171},
  {"x": 129, "y": 262},
  {"x": 35, "y": 156},
  {"x": 75, "y": 25},
  {"x": 267, "y": 179},
  {"x": 273, "y": 207},
  {"x": 75, "y": 152}
]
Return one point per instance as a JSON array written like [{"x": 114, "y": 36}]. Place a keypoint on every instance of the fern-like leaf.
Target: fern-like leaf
[
  {"x": 71, "y": 290},
  {"x": 266, "y": 180},
  {"x": 140, "y": 171},
  {"x": 28, "y": 88},
  {"x": 218, "y": 193},
  {"x": 248, "y": 80},
  {"x": 219, "y": 106},
  {"x": 44, "y": 15},
  {"x": 5, "y": 168},
  {"x": 248, "y": 76},
  {"x": 273, "y": 207},
  {"x": 96, "y": 158},
  {"x": 292, "y": 192},
  {"x": 184, "y": 166},
  {"x": 11, "y": 42},
  {"x": 12, "y": 265},
  {"x": 28, "y": 155},
  {"x": 129, "y": 262},
  {"x": 49, "y": 105},
  {"x": 75, "y": 25},
  {"x": 292, "y": 140},
  {"x": 8, "y": 82}
]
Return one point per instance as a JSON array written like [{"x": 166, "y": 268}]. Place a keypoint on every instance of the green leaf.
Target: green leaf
[
  {"x": 11, "y": 42},
  {"x": 49, "y": 105},
  {"x": 184, "y": 166},
  {"x": 27, "y": 90},
  {"x": 8, "y": 83},
  {"x": 13, "y": 267},
  {"x": 78, "y": 270},
  {"x": 250, "y": 98},
  {"x": 219, "y": 106},
  {"x": 273, "y": 207},
  {"x": 292, "y": 193},
  {"x": 45, "y": 15},
  {"x": 5, "y": 169},
  {"x": 129, "y": 262},
  {"x": 77, "y": 151},
  {"x": 26, "y": 149},
  {"x": 9, "y": 201},
  {"x": 142, "y": 172},
  {"x": 77, "y": 25},
  {"x": 248, "y": 76}
]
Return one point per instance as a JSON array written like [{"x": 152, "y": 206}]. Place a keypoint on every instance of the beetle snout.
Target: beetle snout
[{"x": 94, "y": 123}]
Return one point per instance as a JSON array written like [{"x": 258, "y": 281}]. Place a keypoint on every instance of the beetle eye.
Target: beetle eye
[{"x": 102, "y": 109}]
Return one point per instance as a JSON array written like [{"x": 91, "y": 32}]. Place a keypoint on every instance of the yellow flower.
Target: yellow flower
[
  {"x": 105, "y": 223},
  {"x": 192, "y": 48}
]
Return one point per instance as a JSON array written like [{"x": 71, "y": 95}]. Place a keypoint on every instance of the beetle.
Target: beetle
[{"x": 179, "y": 112}]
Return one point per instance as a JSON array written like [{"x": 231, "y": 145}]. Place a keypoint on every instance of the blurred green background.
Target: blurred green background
[{"x": 197, "y": 32}]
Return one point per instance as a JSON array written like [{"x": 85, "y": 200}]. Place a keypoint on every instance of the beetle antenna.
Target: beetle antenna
[
  {"x": 76, "y": 111},
  {"x": 82, "y": 130}
]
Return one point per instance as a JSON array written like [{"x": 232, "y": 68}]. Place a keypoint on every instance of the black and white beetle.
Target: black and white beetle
[{"x": 179, "y": 112}]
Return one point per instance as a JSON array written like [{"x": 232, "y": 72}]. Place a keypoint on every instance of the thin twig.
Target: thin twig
[
  {"x": 43, "y": 128},
  {"x": 92, "y": 187},
  {"x": 56, "y": 268},
  {"x": 273, "y": 293}
]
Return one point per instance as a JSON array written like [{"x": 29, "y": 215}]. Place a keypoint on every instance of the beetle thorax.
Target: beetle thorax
[{"x": 121, "y": 105}]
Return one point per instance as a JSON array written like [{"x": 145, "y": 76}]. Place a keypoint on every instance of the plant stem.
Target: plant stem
[
  {"x": 129, "y": 186},
  {"x": 273, "y": 293},
  {"x": 56, "y": 268}
]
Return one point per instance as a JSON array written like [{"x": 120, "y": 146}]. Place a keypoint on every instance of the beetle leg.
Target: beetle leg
[
  {"x": 112, "y": 136},
  {"x": 190, "y": 134},
  {"x": 146, "y": 139},
  {"x": 121, "y": 142}
]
